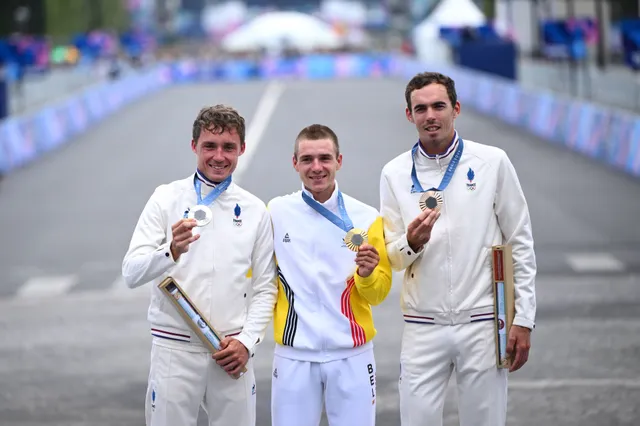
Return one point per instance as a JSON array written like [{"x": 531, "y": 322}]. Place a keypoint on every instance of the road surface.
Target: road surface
[{"x": 75, "y": 345}]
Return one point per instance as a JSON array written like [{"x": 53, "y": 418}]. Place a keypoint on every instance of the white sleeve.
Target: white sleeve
[
  {"x": 148, "y": 256},
  {"x": 514, "y": 221},
  {"x": 401, "y": 256},
  {"x": 265, "y": 289}
]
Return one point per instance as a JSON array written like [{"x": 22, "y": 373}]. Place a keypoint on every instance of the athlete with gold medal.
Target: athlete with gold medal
[{"x": 330, "y": 273}]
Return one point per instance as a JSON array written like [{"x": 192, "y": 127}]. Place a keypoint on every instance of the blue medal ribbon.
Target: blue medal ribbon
[
  {"x": 453, "y": 164},
  {"x": 215, "y": 193},
  {"x": 343, "y": 222}
]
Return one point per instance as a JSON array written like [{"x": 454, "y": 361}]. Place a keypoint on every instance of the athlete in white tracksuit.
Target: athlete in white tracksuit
[
  {"x": 218, "y": 265},
  {"x": 323, "y": 324},
  {"x": 447, "y": 296}
]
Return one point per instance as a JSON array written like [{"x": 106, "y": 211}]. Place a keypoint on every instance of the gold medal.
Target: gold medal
[
  {"x": 355, "y": 238},
  {"x": 431, "y": 200}
]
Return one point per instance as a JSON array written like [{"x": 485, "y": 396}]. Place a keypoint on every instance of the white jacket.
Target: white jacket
[
  {"x": 450, "y": 280},
  {"x": 233, "y": 254},
  {"x": 323, "y": 312}
]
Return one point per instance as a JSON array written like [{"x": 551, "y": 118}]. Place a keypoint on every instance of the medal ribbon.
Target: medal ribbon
[
  {"x": 215, "y": 193},
  {"x": 342, "y": 222},
  {"x": 453, "y": 164}
]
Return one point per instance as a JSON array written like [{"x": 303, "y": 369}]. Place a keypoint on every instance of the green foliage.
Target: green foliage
[
  {"x": 64, "y": 18},
  {"x": 489, "y": 8}
]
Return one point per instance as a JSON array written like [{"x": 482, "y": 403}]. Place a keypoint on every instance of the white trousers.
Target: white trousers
[
  {"x": 347, "y": 387},
  {"x": 430, "y": 353},
  {"x": 179, "y": 381}
]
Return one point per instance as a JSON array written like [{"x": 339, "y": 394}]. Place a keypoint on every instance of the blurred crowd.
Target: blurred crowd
[{"x": 22, "y": 55}]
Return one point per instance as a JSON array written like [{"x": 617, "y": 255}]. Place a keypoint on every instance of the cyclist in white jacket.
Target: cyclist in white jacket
[
  {"x": 445, "y": 246},
  {"x": 323, "y": 321},
  {"x": 215, "y": 239}
]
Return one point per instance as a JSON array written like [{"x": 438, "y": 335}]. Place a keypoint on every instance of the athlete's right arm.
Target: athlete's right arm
[
  {"x": 149, "y": 253},
  {"x": 401, "y": 255}
]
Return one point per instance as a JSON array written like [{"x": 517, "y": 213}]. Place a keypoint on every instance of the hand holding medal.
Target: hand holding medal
[
  {"x": 419, "y": 230},
  {"x": 367, "y": 259},
  {"x": 182, "y": 237}
]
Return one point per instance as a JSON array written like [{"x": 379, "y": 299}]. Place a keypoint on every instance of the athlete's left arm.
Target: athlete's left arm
[
  {"x": 265, "y": 289},
  {"x": 512, "y": 212},
  {"x": 375, "y": 288}
]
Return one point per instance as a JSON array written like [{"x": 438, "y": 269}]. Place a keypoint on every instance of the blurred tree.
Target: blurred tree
[
  {"x": 114, "y": 15},
  {"x": 64, "y": 18},
  {"x": 489, "y": 8}
]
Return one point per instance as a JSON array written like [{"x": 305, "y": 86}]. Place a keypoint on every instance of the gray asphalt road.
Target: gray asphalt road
[{"x": 75, "y": 347}]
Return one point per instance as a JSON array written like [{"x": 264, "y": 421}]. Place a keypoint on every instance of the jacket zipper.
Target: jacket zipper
[{"x": 449, "y": 259}]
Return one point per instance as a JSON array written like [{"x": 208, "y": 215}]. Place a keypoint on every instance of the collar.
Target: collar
[
  {"x": 440, "y": 159},
  {"x": 205, "y": 179},
  {"x": 332, "y": 202}
]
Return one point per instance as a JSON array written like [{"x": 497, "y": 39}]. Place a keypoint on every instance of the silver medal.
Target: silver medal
[{"x": 202, "y": 215}]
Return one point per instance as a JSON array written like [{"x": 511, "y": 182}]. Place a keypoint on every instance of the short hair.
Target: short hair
[
  {"x": 426, "y": 78},
  {"x": 217, "y": 119},
  {"x": 316, "y": 132}
]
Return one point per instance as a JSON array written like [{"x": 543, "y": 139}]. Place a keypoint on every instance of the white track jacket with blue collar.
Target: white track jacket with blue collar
[
  {"x": 449, "y": 281},
  {"x": 233, "y": 256}
]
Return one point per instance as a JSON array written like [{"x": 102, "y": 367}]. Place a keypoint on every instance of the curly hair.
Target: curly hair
[
  {"x": 426, "y": 78},
  {"x": 217, "y": 119},
  {"x": 316, "y": 132}
]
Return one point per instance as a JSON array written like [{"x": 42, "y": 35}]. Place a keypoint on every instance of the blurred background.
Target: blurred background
[
  {"x": 584, "y": 48},
  {"x": 97, "y": 100}
]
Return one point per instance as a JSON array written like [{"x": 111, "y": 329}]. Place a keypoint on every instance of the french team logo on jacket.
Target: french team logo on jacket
[
  {"x": 236, "y": 211},
  {"x": 471, "y": 185}
]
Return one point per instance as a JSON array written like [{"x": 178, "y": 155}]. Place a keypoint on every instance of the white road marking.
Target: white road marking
[
  {"x": 258, "y": 125},
  {"x": 389, "y": 400},
  {"x": 46, "y": 286},
  {"x": 594, "y": 262},
  {"x": 573, "y": 383}
]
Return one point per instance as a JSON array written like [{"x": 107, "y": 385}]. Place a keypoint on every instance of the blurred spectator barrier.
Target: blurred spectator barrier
[
  {"x": 604, "y": 134},
  {"x": 24, "y": 138}
]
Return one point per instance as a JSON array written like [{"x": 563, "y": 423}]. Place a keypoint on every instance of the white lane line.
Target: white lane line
[
  {"x": 258, "y": 125},
  {"x": 388, "y": 399},
  {"x": 573, "y": 383},
  {"x": 594, "y": 262},
  {"x": 46, "y": 286}
]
